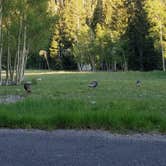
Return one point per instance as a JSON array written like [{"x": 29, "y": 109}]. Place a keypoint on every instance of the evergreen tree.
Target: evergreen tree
[{"x": 142, "y": 52}]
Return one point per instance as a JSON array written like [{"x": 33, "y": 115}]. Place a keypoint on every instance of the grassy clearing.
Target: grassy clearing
[{"x": 63, "y": 100}]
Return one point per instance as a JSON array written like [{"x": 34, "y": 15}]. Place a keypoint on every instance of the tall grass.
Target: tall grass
[{"x": 65, "y": 101}]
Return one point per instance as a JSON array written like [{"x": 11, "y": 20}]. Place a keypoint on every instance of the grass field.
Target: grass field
[{"x": 63, "y": 100}]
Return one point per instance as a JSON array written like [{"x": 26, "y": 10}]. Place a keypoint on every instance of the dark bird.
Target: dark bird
[
  {"x": 138, "y": 83},
  {"x": 27, "y": 87},
  {"x": 93, "y": 84}
]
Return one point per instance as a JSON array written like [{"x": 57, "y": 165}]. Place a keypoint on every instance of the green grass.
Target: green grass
[{"x": 63, "y": 100}]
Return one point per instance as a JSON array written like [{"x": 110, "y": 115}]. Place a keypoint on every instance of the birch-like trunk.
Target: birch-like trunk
[
  {"x": 125, "y": 63},
  {"x": 11, "y": 70},
  {"x": 18, "y": 53},
  {"x": 23, "y": 52},
  {"x": 23, "y": 56},
  {"x": 25, "y": 62},
  {"x": 107, "y": 63},
  {"x": 8, "y": 61},
  {"x": 162, "y": 49}
]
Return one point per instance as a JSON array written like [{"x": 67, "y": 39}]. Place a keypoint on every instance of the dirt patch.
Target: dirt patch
[{"x": 6, "y": 99}]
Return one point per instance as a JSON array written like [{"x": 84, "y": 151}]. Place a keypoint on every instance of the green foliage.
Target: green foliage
[
  {"x": 156, "y": 11},
  {"x": 141, "y": 45},
  {"x": 121, "y": 33},
  {"x": 35, "y": 16},
  {"x": 106, "y": 34}
]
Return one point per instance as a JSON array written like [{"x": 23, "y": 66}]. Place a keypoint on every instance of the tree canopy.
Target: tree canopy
[
  {"x": 111, "y": 34},
  {"x": 104, "y": 34}
]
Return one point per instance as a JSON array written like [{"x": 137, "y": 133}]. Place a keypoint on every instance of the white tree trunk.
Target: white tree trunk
[
  {"x": 18, "y": 53},
  {"x": 23, "y": 52},
  {"x": 23, "y": 56},
  {"x": 162, "y": 49},
  {"x": 125, "y": 63},
  {"x": 8, "y": 62}
]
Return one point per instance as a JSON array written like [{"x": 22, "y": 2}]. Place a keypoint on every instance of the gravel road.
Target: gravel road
[{"x": 80, "y": 148}]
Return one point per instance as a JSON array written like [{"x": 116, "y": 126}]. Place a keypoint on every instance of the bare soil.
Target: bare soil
[{"x": 6, "y": 99}]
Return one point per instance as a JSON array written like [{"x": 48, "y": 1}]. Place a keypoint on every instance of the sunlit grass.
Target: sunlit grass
[{"x": 63, "y": 100}]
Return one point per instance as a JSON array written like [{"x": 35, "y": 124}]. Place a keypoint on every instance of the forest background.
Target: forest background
[{"x": 96, "y": 35}]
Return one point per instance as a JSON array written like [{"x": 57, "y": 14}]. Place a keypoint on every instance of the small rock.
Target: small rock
[
  {"x": 38, "y": 79},
  {"x": 93, "y": 102}
]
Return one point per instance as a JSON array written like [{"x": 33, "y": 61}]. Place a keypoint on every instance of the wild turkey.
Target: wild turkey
[
  {"x": 138, "y": 83},
  {"x": 93, "y": 84},
  {"x": 27, "y": 87}
]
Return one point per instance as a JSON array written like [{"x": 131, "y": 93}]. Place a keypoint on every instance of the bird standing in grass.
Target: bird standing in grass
[
  {"x": 27, "y": 87},
  {"x": 138, "y": 83},
  {"x": 93, "y": 84}
]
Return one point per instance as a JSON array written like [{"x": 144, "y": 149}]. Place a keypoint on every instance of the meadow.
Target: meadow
[{"x": 64, "y": 100}]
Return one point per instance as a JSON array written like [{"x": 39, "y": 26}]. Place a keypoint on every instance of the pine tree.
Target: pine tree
[{"x": 142, "y": 52}]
